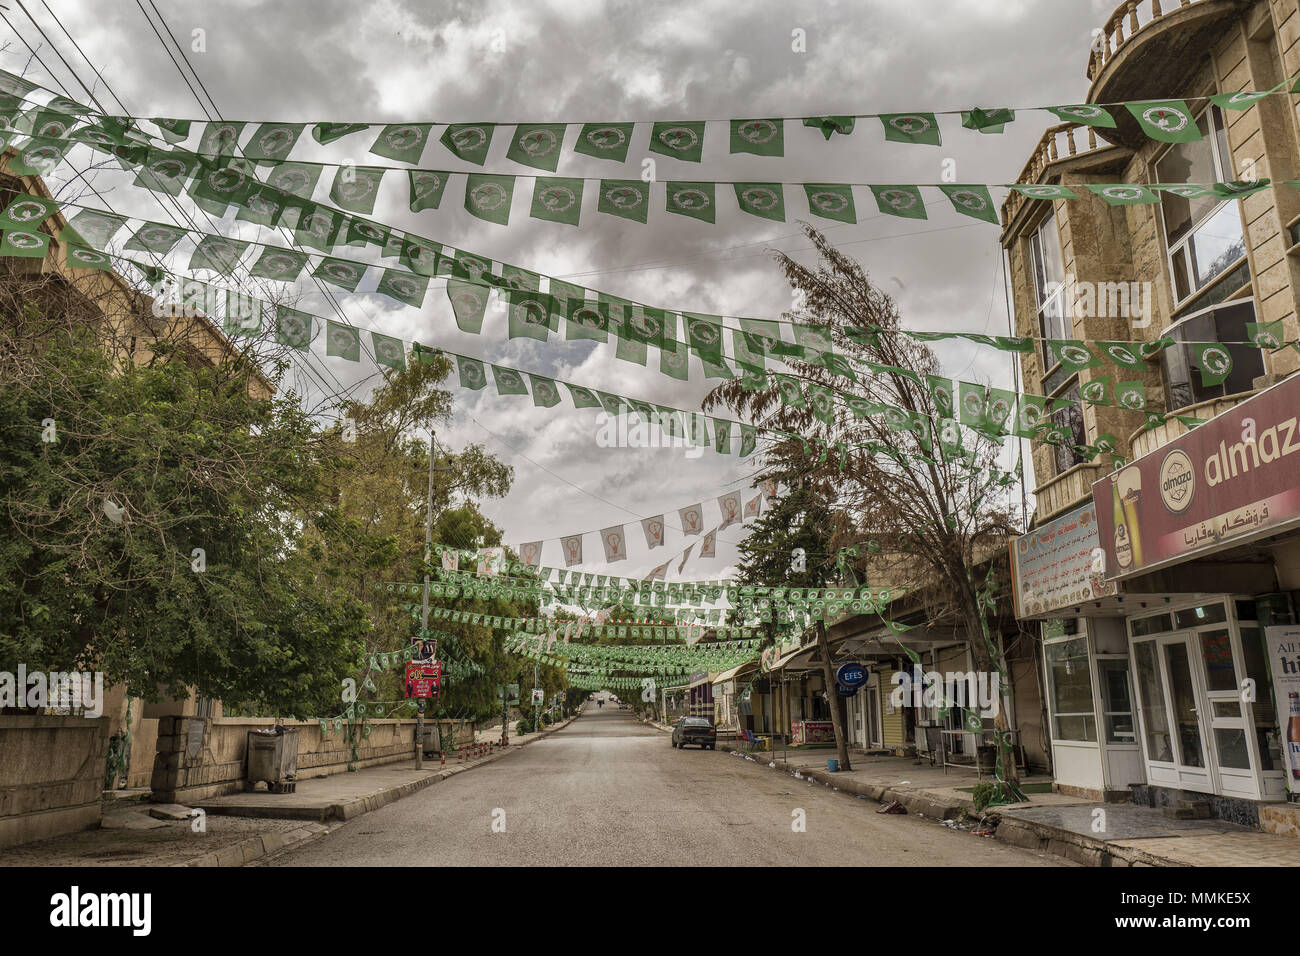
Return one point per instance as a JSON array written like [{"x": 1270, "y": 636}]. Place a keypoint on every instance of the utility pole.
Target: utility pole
[{"x": 424, "y": 613}]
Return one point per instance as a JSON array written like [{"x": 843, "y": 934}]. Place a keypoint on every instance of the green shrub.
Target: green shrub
[
  {"x": 525, "y": 726},
  {"x": 984, "y": 794}
]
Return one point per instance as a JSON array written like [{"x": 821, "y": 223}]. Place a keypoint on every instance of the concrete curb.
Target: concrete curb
[{"x": 264, "y": 844}]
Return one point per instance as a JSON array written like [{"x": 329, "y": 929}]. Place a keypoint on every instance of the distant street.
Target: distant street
[{"x": 608, "y": 790}]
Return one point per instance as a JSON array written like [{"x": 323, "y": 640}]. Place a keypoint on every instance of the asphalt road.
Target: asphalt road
[{"x": 608, "y": 790}]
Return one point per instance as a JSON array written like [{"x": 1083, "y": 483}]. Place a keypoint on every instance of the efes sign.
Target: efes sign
[{"x": 1233, "y": 479}]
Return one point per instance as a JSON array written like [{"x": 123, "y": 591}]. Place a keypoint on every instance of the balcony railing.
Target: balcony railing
[
  {"x": 1065, "y": 491},
  {"x": 1144, "y": 441},
  {"x": 1127, "y": 20},
  {"x": 1057, "y": 142}
]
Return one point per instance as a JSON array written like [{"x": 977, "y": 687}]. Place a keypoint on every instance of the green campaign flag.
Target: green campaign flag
[
  {"x": 342, "y": 341},
  {"x": 220, "y": 139},
  {"x": 1185, "y": 190},
  {"x": 243, "y": 315},
  {"x": 683, "y": 140},
  {"x": 420, "y": 258},
  {"x": 488, "y": 197},
  {"x": 696, "y": 200},
  {"x": 92, "y": 228},
  {"x": 403, "y": 142},
  {"x": 273, "y": 142},
  {"x": 356, "y": 188},
  {"x": 831, "y": 201},
  {"x": 626, "y": 198},
  {"x": 166, "y": 172},
  {"x": 604, "y": 140},
  {"x": 1125, "y": 354},
  {"x": 1124, "y": 194},
  {"x": 674, "y": 360},
  {"x": 84, "y": 257},
  {"x": 512, "y": 277},
  {"x": 173, "y": 130},
  {"x": 25, "y": 243},
  {"x": 1045, "y": 191},
  {"x": 790, "y": 390},
  {"x": 469, "y": 141},
  {"x": 627, "y": 347},
  {"x": 28, "y": 212},
  {"x": 823, "y": 403},
  {"x": 155, "y": 237},
  {"x": 296, "y": 179},
  {"x": 1085, "y": 113},
  {"x": 1169, "y": 121},
  {"x": 1266, "y": 335},
  {"x": 911, "y": 128},
  {"x": 1073, "y": 355},
  {"x": 403, "y": 287},
  {"x": 1031, "y": 416},
  {"x": 766, "y": 200},
  {"x": 326, "y": 133},
  {"x": 1214, "y": 361},
  {"x": 363, "y": 233},
  {"x": 225, "y": 185},
  {"x": 704, "y": 332},
  {"x": 587, "y": 320},
  {"x": 426, "y": 188},
  {"x": 941, "y": 394},
  {"x": 263, "y": 206},
  {"x": 973, "y": 201},
  {"x": 563, "y": 295},
  {"x": 317, "y": 228},
  {"x": 292, "y": 328},
  {"x": 1131, "y": 395},
  {"x": 987, "y": 121},
  {"x": 612, "y": 404},
  {"x": 284, "y": 265},
  {"x": 38, "y": 157},
  {"x": 530, "y": 314},
  {"x": 1097, "y": 391},
  {"x": 1243, "y": 100},
  {"x": 468, "y": 305},
  {"x": 537, "y": 145},
  {"x": 830, "y": 125},
  {"x": 343, "y": 273},
  {"x": 762, "y": 137},
  {"x": 545, "y": 393},
  {"x": 902, "y": 201},
  {"x": 508, "y": 381},
  {"x": 722, "y": 436},
  {"x": 748, "y": 440},
  {"x": 972, "y": 404},
  {"x": 582, "y": 397},
  {"x": 472, "y": 374},
  {"x": 557, "y": 200},
  {"x": 218, "y": 254},
  {"x": 466, "y": 266},
  {"x": 1236, "y": 189}
]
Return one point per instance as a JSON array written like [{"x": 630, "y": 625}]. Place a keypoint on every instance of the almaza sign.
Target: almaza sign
[{"x": 1232, "y": 480}]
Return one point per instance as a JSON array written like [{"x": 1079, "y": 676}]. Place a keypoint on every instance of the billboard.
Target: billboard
[
  {"x": 1229, "y": 481},
  {"x": 1057, "y": 565}
]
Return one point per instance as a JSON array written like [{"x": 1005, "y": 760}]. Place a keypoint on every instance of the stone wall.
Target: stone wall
[{"x": 51, "y": 776}]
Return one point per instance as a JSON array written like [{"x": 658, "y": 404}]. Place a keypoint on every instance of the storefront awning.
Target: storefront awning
[{"x": 725, "y": 676}]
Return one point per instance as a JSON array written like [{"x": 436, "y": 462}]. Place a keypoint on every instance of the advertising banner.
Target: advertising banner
[
  {"x": 1233, "y": 479},
  {"x": 1283, "y": 645},
  {"x": 1057, "y": 565}
]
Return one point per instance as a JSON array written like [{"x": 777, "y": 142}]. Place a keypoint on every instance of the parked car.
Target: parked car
[{"x": 695, "y": 730}]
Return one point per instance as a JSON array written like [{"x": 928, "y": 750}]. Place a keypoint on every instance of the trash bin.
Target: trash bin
[
  {"x": 986, "y": 758},
  {"x": 432, "y": 739},
  {"x": 273, "y": 757},
  {"x": 833, "y": 764}
]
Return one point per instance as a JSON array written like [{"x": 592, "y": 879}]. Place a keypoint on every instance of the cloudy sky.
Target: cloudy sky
[{"x": 567, "y": 61}]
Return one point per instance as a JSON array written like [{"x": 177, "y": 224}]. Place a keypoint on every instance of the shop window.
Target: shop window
[
  {"x": 1069, "y": 419},
  {"x": 1203, "y": 234},
  {"x": 1157, "y": 624},
  {"x": 1267, "y": 732},
  {"x": 1070, "y": 686},
  {"x": 1216, "y": 651},
  {"x": 1220, "y": 323},
  {"x": 1215, "y": 613},
  {"x": 1049, "y": 282},
  {"x": 1155, "y": 719},
  {"x": 1116, "y": 701}
]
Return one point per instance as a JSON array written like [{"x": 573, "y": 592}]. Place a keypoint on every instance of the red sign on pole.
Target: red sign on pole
[{"x": 424, "y": 680}]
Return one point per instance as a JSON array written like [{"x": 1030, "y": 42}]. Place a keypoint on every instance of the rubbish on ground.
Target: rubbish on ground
[{"x": 893, "y": 807}]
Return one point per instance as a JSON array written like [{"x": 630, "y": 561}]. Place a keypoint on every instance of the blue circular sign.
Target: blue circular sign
[{"x": 851, "y": 675}]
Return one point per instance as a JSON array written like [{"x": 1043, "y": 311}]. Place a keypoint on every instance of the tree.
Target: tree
[{"x": 891, "y": 460}]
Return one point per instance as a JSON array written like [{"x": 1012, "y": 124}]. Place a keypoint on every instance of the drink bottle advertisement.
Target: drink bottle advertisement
[
  {"x": 1226, "y": 482},
  {"x": 1283, "y": 644}
]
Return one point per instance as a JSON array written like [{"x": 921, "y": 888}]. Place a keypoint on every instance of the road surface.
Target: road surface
[{"x": 608, "y": 790}]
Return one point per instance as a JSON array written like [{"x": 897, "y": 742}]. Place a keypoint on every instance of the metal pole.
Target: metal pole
[{"x": 424, "y": 613}]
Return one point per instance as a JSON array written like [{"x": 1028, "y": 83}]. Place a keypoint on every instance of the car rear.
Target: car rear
[{"x": 702, "y": 734}]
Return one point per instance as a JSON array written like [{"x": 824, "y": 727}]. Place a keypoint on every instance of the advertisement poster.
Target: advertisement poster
[
  {"x": 1283, "y": 644},
  {"x": 1056, "y": 566},
  {"x": 1224, "y": 483},
  {"x": 424, "y": 680}
]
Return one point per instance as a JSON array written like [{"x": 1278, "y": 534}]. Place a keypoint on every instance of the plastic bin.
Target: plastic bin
[{"x": 833, "y": 764}]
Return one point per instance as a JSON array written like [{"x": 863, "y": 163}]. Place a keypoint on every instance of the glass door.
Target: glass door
[
  {"x": 1189, "y": 749},
  {"x": 1172, "y": 727}
]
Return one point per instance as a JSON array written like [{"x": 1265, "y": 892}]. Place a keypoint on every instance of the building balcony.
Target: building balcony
[
  {"x": 1067, "y": 490},
  {"x": 1147, "y": 49},
  {"x": 1144, "y": 441}
]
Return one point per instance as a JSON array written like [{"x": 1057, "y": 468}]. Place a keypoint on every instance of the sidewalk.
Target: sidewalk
[
  {"x": 241, "y": 827},
  {"x": 1083, "y": 831}
]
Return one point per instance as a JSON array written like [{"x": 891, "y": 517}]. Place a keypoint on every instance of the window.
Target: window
[
  {"x": 1071, "y": 436},
  {"x": 1070, "y": 685},
  {"x": 1116, "y": 702},
  {"x": 1221, "y": 323},
  {"x": 1049, "y": 282},
  {"x": 1203, "y": 233},
  {"x": 1155, "y": 719}
]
